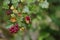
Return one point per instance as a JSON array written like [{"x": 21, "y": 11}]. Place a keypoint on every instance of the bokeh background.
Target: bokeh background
[{"x": 45, "y": 19}]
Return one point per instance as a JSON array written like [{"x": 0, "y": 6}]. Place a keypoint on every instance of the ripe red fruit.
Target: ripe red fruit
[
  {"x": 27, "y": 19},
  {"x": 8, "y": 12},
  {"x": 14, "y": 28}
]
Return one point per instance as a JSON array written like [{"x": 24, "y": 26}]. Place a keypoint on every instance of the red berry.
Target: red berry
[
  {"x": 8, "y": 12},
  {"x": 16, "y": 25},
  {"x": 15, "y": 31},
  {"x": 11, "y": 29},
  {"x": 27, "y": 18}
]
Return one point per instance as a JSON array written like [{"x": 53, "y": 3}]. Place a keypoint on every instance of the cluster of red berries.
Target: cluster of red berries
[{"x": 14, "y": 28}]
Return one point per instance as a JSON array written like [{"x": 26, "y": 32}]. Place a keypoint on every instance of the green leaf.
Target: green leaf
[
  {"x": 30, "y": 1},
  {"x": 15, "y": 1},
  {"x": 57, "y": 21},
  {"x": 49, "y": 38},
  {"x": 8, "y": 25},
  {"x": 5, "y": 4},
  {"x": 43, "y": 35}
]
